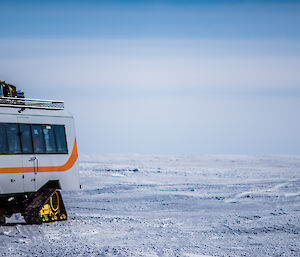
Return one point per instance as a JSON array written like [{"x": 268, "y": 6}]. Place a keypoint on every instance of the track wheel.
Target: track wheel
[{"x": 54, "y": 209}]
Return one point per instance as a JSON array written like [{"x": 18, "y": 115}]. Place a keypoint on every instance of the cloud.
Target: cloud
[{"x": 195, "y": 66}]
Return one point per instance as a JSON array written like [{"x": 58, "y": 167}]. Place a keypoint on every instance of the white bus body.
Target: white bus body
[
  {"x": 17, "y": 171},
  {"x": 37, "y": 147}
]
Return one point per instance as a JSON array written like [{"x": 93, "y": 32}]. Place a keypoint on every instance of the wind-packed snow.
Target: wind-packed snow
[{"x": 152, "y": 205}]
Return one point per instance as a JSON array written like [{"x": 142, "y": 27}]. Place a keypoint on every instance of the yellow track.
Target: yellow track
[{"x": 51, "y": 211}]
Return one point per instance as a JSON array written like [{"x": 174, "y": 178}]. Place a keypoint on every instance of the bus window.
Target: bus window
[
  {"x": 60, "y": 136},
  {"x": 37, "y": 139},
  {"x": 3, "y": 141},
  {"x": 49, "y": 138},
  {"x": 12, "y": 131},
  {"x": 26, "y": 138}
]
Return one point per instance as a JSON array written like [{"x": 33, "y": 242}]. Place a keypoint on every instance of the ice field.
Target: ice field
[{"x": 153, "y": 205}]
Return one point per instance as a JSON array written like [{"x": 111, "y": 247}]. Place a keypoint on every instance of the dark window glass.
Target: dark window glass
[
  {"x": 37, "y": 139},
  {"x": 26, "y": 138},
  {"x": 60, "y": 136},
  {"x": 49, "y": 138},
  {"x": 3, "y": 141},
  {"x": 32, "y": 138},
  {"x": 12, "y": 131}
]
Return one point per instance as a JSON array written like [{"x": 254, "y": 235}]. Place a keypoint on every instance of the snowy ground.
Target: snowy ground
[{"x": 138, "y": 205}]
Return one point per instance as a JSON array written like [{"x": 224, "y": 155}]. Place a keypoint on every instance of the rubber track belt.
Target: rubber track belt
[{"x": 32, "y": 211}]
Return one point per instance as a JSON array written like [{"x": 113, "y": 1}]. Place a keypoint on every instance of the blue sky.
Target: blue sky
[
  {"x": 171, "y": 77},
  {"x": 151, "y": 19}
]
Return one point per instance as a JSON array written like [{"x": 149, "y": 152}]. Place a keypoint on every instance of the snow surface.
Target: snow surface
[{"x": 152, "y": 205}]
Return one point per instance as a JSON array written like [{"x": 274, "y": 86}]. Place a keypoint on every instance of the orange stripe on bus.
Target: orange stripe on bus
[{"x": 68, "y": 165}]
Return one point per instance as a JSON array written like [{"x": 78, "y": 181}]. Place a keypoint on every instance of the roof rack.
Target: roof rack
[{"x": 25, "y": 103}]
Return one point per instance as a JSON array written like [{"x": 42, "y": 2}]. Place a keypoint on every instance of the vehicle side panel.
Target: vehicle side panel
[{"x": 61, "y": 167}]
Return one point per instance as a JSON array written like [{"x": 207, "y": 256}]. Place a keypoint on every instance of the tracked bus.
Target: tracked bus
[{"x": 38, "y": 158}]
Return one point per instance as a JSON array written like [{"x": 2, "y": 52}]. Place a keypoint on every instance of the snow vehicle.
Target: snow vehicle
[{"x": 38, "y": 157}]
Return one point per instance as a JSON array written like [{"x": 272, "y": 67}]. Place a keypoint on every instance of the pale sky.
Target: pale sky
[{"x": 172, "y": 77}]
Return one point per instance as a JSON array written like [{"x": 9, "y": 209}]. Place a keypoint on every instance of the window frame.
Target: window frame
[
  {"x": 42, "y": 138},
  {"x": 44, "y": 126},
  {"x": 31, "y": 139},
  {"x": 65, "y": 137},
  {"x": 5, "y": 139},
  {"x": 18, "y": 138},
  {"x": 30, "y": 133}
]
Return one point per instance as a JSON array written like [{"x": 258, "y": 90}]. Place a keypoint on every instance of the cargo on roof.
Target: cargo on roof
[{"x": 11, "y": 97}]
